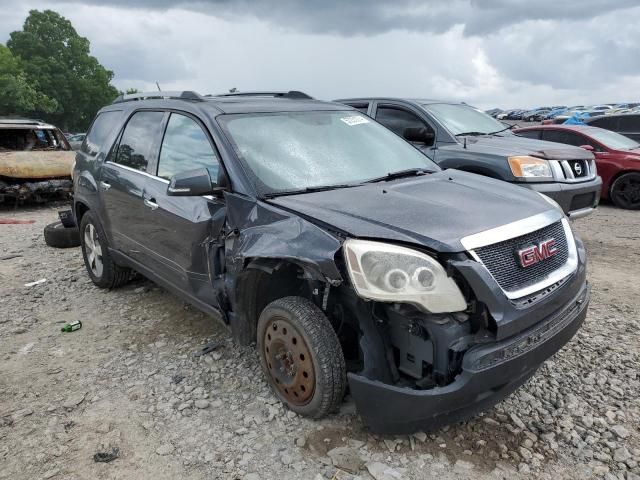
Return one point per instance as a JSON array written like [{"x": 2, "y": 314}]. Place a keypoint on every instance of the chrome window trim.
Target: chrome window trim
[
  {"x": 519, "y": 228},
  {"x": 134, "y": 170}
]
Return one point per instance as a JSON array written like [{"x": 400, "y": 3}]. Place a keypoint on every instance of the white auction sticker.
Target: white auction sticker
[{"x": 354, "y": 120}]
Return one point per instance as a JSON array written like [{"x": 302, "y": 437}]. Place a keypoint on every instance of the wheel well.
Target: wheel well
[
  {"x": 260, "y": 284},
  {"x": 81, "y": 209},
  {"x": 617, "y": 176}
]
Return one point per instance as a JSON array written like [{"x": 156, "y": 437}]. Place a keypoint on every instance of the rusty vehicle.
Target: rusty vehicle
[{"x": 35, "y": 161}]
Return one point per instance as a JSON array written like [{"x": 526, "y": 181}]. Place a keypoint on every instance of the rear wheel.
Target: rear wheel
[
  {"x": 301, "y": 356},
  {"x": 102, "y": 269},
  {"x": 625, "y": 191}
]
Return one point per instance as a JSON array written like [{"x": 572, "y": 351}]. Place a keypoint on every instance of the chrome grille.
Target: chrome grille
[{"x": 501, "y": 258}]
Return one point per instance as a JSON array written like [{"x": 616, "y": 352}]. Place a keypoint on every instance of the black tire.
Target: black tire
[
  {"x": 318, "y": 337},
  {"x": 111, "y": 275},
  {"x": 625, "y": 191},
  {"x": 58, "y": 236}
]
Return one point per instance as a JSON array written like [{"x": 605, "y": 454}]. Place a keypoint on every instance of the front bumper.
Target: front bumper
[
  {"x": 576, "y": 199},
  {"x": 490, "y": 372}
]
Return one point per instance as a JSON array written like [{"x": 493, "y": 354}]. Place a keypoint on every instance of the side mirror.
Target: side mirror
[
  {"x": 588, "y": 148},
  {"x": 191, "y": 183},
  {"x": 419, "y": 135}
]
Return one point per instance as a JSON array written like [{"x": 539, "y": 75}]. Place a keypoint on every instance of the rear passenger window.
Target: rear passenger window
[
  {"x": 102, "y": 126},
  {"x": 138, "y": 140},
  {"x": 530, "y": 134},
  {"x": 185, "y": 147},
  {"x": 398, "y": 120},
  {"x": 560, "y": 136}
]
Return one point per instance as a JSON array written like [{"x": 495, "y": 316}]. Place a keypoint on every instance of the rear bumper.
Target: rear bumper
[
  {"x": 576, "y": 199},
  {"x": 489, "y": 373}
]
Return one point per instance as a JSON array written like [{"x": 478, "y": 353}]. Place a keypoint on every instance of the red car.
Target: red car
[{"x": 617, "y": 157}]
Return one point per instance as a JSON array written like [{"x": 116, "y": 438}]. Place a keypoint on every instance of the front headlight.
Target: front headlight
[
  {"x": 524, "y": 166},
  {"x": 390, "y": 273}
]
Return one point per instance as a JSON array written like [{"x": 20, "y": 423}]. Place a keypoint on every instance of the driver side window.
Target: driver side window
[
  {"x": 398, "y": 120},
  {"x": 185, "y": 147}
]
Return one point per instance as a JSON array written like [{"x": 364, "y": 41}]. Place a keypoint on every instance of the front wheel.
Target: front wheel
[
  {"x": 102, "y": 269},
  {"x": 625, "y": 191},
  {"x": 301, "y": 356}
]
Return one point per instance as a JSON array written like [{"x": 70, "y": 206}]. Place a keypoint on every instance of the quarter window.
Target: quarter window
[
  {"x": 361, "y": 107},
  {"x": 102, "y": 126},
  {"x": 185, "y": 147},
  {"x": 136, "y": 148}
]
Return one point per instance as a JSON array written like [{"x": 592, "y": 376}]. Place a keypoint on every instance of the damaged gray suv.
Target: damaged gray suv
[{"x": 347, "y": 256}]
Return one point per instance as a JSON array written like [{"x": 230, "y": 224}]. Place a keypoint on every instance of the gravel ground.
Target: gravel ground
[{"x": 128, "y": 385}]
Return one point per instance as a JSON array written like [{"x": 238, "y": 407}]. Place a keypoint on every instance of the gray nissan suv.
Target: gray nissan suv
[
  {"x": 456, "y": 135},
  {"x": 348, "y": 257}
]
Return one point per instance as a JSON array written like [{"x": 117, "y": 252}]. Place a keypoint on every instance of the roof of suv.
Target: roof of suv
[
  {"x": 250, "y": 102},
  {"x": 17, "y": 122}
]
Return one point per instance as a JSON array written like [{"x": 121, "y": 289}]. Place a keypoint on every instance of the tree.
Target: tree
[
  {"x": 17, "y": 95},
  {"x": 57, "y": 60}
]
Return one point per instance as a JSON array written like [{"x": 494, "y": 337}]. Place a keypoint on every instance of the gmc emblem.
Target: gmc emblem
[{"x": 533, "y": 254}]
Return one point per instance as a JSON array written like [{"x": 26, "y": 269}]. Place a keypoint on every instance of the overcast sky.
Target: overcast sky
[{"x": 504, "y": 53}]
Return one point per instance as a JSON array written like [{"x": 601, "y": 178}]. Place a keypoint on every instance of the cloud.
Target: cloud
[
  {"x": 374, "y": 17},
  {"x": 504, "y": 53}
]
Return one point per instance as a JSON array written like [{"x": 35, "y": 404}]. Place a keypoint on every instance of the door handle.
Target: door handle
[
  {"x": 105, "y": 185},
  {"x": 150, "y": 203}
]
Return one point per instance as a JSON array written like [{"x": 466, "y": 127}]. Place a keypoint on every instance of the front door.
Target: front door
[{"x": 186, "y": 231}]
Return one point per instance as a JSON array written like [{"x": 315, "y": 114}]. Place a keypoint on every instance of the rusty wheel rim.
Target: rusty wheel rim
[{"x": 289, "y": 361}]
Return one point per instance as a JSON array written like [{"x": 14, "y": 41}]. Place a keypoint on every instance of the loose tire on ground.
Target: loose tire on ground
[
  {"x": 56, "y": 235},
  {"x": 301, "y": 356},
  {"x": 625, "y": 191},
  {"x": 101, "y": 267}
]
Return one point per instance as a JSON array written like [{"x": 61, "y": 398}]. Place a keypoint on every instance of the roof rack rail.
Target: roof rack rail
[
  {"x": 292, "y": 94},
  {"x": 176, "y": 95}
]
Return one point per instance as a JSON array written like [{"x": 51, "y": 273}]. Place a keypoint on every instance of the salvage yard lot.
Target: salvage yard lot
[{"x": 129, "y": 380}]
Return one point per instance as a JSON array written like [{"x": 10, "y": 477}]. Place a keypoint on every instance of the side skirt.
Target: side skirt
[{"x": 127, "y": 261}]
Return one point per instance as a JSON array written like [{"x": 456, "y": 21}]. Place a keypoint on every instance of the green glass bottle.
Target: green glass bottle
[{"x": 72, "y": 326}]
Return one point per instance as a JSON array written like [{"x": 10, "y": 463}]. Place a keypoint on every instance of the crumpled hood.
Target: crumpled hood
[
  {"x": 435, "y": 210},
  {"x": 508, "y": 145}
]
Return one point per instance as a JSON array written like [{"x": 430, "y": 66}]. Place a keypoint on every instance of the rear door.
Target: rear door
[
  {"x": 185, "y": 232},
  {"x": 122, "y": 180}
]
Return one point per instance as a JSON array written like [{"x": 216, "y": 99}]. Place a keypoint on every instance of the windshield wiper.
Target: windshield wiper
[
  {"x": 320, "y": 188},
  {"x": 410, "y": 172},
  {"x": 508, "y": 127},
  {"x": 470, "y": 134}
]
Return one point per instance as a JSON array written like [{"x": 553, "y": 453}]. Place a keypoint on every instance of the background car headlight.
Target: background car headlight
[
  {"x": 391, "y": 273},
  {"x": 525, "y": 166}
]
